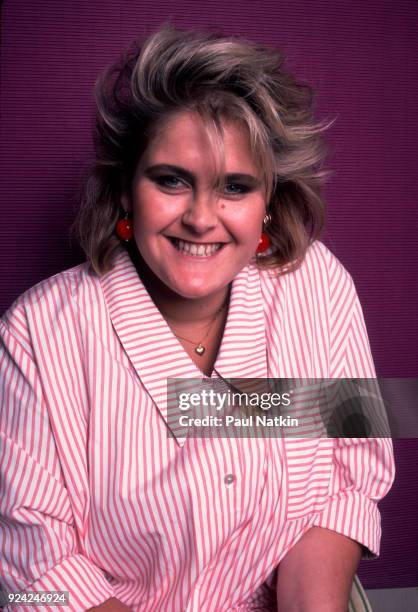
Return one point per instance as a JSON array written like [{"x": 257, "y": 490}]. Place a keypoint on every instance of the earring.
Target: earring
[
  {"x": 124, "y": 228},
  {"x": 264, "y": 242}
]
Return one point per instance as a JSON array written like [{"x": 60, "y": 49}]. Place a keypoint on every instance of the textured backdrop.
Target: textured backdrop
[{"x": 362, "y": 59}]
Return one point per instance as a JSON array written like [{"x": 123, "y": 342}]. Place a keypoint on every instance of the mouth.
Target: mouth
[{"x": 196, "y": 249}]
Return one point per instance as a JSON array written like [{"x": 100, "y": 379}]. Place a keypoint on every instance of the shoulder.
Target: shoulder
[
  {"x": 42, "y": 306},
  {"x": 320, "y": 270}
]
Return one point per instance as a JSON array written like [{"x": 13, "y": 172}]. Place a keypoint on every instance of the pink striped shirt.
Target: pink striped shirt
[{"x": 97, "y": 500}]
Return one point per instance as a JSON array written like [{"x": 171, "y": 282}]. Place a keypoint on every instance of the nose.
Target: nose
[{"x": 201, "y": 214}]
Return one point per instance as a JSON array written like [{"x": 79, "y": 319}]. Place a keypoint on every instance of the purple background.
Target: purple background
[{"x": 361, "y": 57}]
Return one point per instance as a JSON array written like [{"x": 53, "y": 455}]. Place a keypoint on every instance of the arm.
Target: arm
[
  {"x": 317, "y": 573},
  {"x": 39, "y": 544},
  {"x": 363, "y": 468}
]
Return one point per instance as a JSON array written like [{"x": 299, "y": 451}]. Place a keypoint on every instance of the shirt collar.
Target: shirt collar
[{"x": 155, "y": 352}]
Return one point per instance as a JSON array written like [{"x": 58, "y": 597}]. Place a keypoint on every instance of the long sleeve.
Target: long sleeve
[
  {"x": 363, "y": 468},
  {"x": 38, "y": 539}
]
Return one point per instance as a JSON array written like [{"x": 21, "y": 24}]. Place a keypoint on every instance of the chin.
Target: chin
[
  {"x": 193, "y": 294},
  {"x": 195, "y": 291}
]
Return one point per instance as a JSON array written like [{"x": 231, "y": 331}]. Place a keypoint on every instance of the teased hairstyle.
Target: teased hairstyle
[{"x": 218, "y": 77}]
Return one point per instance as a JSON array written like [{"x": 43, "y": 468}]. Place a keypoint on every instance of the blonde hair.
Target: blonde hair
[{"x": 219, "y": 77}]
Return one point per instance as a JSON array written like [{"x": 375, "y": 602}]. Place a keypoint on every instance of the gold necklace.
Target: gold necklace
[{"x": 199, "y": 348}]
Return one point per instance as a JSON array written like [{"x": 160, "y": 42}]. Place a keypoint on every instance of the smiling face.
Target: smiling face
[{"x": 193, "y": 234}]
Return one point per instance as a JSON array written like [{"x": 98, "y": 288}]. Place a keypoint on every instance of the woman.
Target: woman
[{"x": 200, "y": 221}]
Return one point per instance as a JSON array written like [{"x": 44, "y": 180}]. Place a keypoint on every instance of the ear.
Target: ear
[{"x": 126, "y": 202}]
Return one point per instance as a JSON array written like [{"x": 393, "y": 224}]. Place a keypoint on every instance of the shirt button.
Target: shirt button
[{"x": 229, "y": 479}]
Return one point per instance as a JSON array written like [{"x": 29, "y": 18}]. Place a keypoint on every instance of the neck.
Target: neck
[{"x": 176, "y": 308}]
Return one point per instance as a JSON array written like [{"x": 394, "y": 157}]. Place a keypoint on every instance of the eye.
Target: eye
[
  {"x": 236, "y": 189},
  {"x": 170, "y": 182}
]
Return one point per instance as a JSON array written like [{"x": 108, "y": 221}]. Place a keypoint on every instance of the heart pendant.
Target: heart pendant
[{"x": 199, "y": 349}]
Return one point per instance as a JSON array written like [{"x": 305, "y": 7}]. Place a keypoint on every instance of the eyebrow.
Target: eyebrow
[{"x": 235, "y": 177}]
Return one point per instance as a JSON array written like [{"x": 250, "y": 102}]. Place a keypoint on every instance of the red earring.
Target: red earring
[
  {"x": 264, "y": 242},
  {"x": 124, "y": 228}
]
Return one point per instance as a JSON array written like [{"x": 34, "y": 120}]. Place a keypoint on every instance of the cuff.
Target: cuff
[
  {"x": 85, "y": 582},
  {"x": 353, "y": 514}
]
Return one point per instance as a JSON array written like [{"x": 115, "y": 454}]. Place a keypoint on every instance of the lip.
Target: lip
[
  {"x": 196, "y": 258},
  {"x": 194, "y": 241}
]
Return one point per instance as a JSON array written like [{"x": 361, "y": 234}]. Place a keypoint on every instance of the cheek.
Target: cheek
[
  {"x": 248, "y": 223},
  {"x": 156, "y": 208},
  {"x": 149, "y": 208}
]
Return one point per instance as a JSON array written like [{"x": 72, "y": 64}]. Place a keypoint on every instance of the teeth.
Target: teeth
[{"x": 199, "y": 250}]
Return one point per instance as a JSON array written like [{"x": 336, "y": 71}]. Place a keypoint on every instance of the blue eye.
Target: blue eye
[
  {"x": 236, "y": 189},
  {"x": 171, "y": 182}
]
